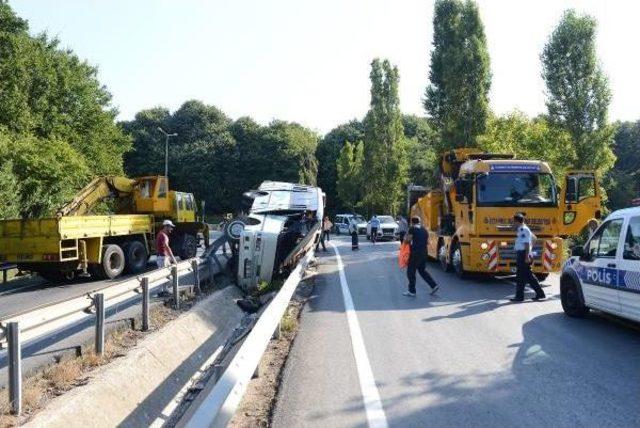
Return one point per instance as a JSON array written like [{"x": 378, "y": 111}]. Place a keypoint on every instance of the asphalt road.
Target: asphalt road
[
  {"x": 465, "y": 357},
  {"x": 23, "y": 295}
]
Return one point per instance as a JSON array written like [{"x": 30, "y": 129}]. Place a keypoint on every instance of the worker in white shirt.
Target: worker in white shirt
[{"x": 524, "y": 258}]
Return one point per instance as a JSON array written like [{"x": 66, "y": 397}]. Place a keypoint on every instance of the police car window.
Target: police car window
[
  {"x": 632, "y": 240},
  {"x": 605, "y": 242}
]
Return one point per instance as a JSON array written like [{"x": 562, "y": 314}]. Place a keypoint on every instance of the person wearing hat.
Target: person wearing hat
[
  {"x": 163, "y": 249},
  {"x": 524, "y": 258}
]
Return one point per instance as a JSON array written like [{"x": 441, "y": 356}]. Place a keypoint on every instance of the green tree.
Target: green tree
[
  {"x": 623, "y": 182},
  {"x": 349, "y": 169},
  {"x": 529, "y": 139},
  {"x": 290, "y": 149},
  {"x": 329, "y": 148},
  {"x": 41, "y": 174},
  {"x": 460, "y": 77},
  {"x": 385, "y": 157},
  {"x": 578, "y": 93},
  {"x": 49, "y": 92},
  {"x": 148, "y": 152},
  {"x": 56, "y": 121},
  {"x": 422, "y": 141}
]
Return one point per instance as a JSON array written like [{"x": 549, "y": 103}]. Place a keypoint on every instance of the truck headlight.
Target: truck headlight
[
  {"x": 553, "y": 245},
  {"x": 484, "y": 246}
]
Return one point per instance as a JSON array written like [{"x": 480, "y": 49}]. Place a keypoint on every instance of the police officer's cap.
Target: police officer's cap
[{"x": 519, "y": 217}]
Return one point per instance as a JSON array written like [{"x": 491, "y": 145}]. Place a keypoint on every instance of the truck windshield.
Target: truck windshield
[{"x": 516, "y": 189}]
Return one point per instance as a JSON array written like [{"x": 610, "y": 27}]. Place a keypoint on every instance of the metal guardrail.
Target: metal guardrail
[
  {"x": 219, "y": 405},
  {"x": 52, "y": 317}
]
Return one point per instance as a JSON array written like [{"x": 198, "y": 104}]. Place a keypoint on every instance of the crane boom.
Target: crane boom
[{"x": 99, "y": 189}]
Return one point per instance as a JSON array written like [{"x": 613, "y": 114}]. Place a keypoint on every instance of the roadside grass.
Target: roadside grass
[
  {"x": 67, "y": 373},
  {"x": 289, "y": 322}
]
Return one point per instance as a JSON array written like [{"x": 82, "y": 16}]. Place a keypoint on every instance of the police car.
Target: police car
[{"x": 605, "y": 273}]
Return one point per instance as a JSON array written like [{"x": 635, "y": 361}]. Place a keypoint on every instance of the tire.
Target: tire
[
  {"x": 188, "y": 247},
  {"x": 571, "y": 299},
  {"x": 135, "y": 256},
  {"x": 442, "y": 258},
  {"x": 457, "y": 262},
  {"x": 541, "y": 276},
  {"x": 112, "y": 264}
]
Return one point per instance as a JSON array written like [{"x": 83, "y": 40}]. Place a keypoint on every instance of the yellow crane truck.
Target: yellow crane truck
[
  {"x": 469, "y": 216},
  {"x": 103, "y": 246}
]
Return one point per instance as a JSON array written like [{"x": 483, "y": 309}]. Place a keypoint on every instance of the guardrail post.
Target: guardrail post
[
  {"x": 176, "y": 291},
  {"x": 196, "y": 276},
  {"x": 4, "y": 276},
  {"x": 15, "y": 368},
  {"x": 145, "y": 304},
  {"x": 99, "y": 302}
]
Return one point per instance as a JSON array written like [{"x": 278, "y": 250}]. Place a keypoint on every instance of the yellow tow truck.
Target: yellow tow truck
[
  {"x": 103, "y": 246},
  {"x": 469, "y": 216}
]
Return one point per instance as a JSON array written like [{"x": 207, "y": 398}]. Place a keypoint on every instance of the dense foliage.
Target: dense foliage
[
  {"x": 624, "y": 178},
  {"x": 460, "y": 77},
  {"x": 385, "y": 163},
  {"x": 57, "y": 126},
  {"x": 216, "y": 158},
  {"x": 58, "y": 129}
]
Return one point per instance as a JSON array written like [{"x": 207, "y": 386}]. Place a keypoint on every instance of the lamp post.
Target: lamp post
[{"x": 166, "y": 150}]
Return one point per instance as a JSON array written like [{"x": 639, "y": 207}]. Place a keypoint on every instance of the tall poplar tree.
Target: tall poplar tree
[
  {"x": 349, "y": 174},
  {"x": 578, "y": 92},
  {"x": 457, "y": 97},
  {"x": 385, "y": 168}
]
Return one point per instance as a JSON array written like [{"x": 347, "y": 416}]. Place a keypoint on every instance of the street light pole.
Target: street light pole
[{"x": 166, "y": 150}]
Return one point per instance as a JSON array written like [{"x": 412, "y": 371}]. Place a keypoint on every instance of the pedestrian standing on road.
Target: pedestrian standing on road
[
  {"x": 524, "y": 258},
  {"x": 353, "y": 230},
  {"x": 322, "y": 239},
  {"x": 375, "y": 225},
  {"x": 164, "y": 254},
  {"x": 326, "y": 227},
  {"x": 402, "y": 227},
  {"x": 417, "y": 238}
]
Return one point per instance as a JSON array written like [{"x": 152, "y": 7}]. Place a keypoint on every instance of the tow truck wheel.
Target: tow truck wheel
[
  {"x": 571, "y": 299},
  {"x": 442, "y": 258},
  {"x": 112, "y": 265},
  {"x": 456, "y": 261},
  {"x": 188, "y": 247}
]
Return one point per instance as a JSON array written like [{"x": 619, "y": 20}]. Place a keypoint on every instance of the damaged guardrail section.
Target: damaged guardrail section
[
  {"x": 219, "y": 405},
  {"x": 50, "y": 318}
]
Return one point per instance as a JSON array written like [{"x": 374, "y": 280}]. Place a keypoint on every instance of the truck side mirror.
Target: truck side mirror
[{"x": 571, "y": 195}]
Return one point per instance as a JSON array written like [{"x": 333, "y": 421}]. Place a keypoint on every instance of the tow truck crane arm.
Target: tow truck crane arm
[{"x": 99, "y": 189}]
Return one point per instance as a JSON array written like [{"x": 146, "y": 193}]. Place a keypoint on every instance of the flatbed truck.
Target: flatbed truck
[{"x": 76, "y": 242}]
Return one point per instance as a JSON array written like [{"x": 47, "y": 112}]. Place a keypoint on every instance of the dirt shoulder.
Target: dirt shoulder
[{"x": 259, "y": 400}]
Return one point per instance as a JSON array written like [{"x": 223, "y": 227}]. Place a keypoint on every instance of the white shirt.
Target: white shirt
[{"x": 523, "y": 237}]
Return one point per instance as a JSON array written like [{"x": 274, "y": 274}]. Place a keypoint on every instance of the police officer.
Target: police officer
[{"x": 524, "y": 258}]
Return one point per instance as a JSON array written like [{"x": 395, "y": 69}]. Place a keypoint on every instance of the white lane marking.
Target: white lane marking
[
  {"x": 175, "y": 401},
  {"x": 370, "y": 394}
]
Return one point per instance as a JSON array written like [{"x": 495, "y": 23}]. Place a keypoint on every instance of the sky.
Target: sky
[{"x": 308, "y": 61}]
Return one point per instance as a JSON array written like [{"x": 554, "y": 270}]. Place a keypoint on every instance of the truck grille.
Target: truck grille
[{"x": 508, "y": 253}]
